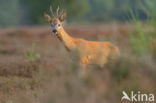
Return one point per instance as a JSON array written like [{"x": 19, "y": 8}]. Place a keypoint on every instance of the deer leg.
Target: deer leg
[
  {"x": 83, "y": 70},
  {"x": 83, "y": 63}
]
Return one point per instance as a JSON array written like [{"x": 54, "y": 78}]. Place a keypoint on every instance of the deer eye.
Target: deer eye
[
  {"x": 59, "y": 25},
  {"x": 52, "y": 25}
]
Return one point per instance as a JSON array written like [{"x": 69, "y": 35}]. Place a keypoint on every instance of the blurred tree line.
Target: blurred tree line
[
  {"x": 20, "y": 12},
  {"x": 9, "y": 12}
]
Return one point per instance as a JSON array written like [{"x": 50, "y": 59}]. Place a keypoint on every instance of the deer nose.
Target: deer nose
[{"x": 55, "y": 31}]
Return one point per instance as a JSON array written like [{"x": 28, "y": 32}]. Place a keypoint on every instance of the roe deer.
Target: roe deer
[{"x": 89, "y": 52}]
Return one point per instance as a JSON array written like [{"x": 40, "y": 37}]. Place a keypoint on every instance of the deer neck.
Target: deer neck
[{"x": 66, "y": 39}]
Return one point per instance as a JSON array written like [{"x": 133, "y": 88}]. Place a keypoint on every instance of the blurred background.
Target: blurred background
[
  {"x": 35, "y": 67},
  {"x": 28, "y": 12}
]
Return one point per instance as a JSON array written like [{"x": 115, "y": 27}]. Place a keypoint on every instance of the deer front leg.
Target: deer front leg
[
  {"x": 83, "y": 68},
  {"x": 83, "y": 63}
]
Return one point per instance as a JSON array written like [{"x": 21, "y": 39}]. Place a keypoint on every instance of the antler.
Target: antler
[
  {"x": 51, "y": 11},
  {"x": 57, "y": 12}
]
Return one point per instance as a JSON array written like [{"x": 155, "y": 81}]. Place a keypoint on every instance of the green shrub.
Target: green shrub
[
  {"x": 30, "y": 55},
  {"x": 138, "y": 40}
]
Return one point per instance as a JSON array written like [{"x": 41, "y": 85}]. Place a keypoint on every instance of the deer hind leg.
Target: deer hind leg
[{"x": 102, "y": 62}]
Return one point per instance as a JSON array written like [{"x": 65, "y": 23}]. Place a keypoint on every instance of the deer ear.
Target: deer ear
[
  {"x": 63, "y": 16},
  {"x": 47, "y": 17}
]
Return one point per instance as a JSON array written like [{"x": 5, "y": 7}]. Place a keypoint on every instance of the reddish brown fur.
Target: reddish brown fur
[{"x": 90, "y": 52}]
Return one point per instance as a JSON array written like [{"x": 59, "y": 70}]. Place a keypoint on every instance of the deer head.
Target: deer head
[{"x": 55, "y": 20}]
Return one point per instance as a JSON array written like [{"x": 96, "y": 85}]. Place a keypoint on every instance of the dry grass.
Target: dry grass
[{"x": 53, "y": 78}]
